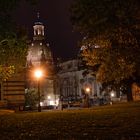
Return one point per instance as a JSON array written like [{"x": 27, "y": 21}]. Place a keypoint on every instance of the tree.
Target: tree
[
  {"x": 111, "y": 30},
  {"x": 31, "y": 98},
  {"x": 13, "y": 51},
  {"x": 13, "y": 41}
]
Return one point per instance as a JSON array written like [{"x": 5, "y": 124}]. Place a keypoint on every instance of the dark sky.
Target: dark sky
[{"x": 59, "y": 32}]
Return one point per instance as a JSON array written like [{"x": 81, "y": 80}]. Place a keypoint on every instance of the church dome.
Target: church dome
[
  {"x": 38, "y": 22},
  {"x": 39, "y": 51}
]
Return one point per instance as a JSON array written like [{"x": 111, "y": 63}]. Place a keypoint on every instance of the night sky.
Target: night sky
[{"x": 55, "y": 16}]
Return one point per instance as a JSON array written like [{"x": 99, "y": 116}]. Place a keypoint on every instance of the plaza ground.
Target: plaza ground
[{"x": 111, "y": 122}]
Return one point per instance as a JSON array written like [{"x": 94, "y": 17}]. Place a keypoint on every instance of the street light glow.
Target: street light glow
[
  {"x": 49, "y": 97},
  {"x": 38, "y": 74},
  {"x": 112, "y": 94},
  {"x": 87, "y": 89}
]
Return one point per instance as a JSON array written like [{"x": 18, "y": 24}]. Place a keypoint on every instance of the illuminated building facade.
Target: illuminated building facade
[
  {"x": 40, "y": 57},
  {"x": 71, "y": 84}
]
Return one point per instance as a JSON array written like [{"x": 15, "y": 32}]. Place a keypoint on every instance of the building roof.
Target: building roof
[{"x": 38, "y": 21}]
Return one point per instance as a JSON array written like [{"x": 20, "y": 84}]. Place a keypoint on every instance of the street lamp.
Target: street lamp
[
  {"x": 112, "y": 94},
  {"x": 38, "y": 75},
  {"x": 87, "y": 90}
]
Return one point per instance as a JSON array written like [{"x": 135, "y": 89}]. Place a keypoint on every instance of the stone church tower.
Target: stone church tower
[
  {"x": 39, "y": 52},
  {"x": 40, "y": 56}
]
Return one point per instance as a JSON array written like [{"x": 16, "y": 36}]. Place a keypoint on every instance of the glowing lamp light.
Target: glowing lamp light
[
  {"x": 49, "y": 97},
  {"x": 38, "y": 74},
  {"x": 112, "y": 94},
  {"x": 41, "y": 103},
  {"x": 87, "y": 89}
]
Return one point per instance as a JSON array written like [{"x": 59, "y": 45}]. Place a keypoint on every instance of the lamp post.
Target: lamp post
[
  {"x": 87, "y": 90},
  {"x": 38, "y": 75},
  {"x": 112, "y": 94}
]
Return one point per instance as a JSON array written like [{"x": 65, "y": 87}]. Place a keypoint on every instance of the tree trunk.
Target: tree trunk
[
  {"x": 129, "y": 92},
  {"x": 118, "y": 91}
]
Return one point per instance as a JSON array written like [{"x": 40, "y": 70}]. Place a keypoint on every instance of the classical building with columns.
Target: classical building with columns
[{"x": 72, "y": 85}]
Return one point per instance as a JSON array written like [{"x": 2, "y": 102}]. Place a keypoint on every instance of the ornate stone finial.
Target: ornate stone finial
[{"x": 38, "y": 15}]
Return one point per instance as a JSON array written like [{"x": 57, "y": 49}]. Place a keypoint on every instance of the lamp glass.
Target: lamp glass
[
  {"x": 87, "y": 89},
  {"x": 38, "y": 73}
]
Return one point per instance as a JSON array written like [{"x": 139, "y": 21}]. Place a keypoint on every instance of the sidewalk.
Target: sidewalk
[{"x": 6, "y": 111}]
